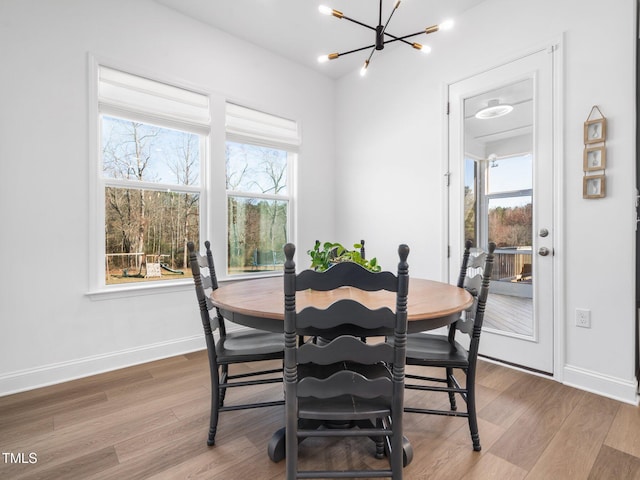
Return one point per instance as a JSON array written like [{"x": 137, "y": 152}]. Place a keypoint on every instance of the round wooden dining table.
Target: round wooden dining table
[{"x": 259, "y": 303}]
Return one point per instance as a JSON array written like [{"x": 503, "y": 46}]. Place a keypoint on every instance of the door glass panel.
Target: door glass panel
[
  {"x": 509, "y": 174},
  {"x": 470, "y": 200},
  {"x": 498, "y": 201}
]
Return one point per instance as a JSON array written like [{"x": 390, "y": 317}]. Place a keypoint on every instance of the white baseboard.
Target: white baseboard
[
  {"x": 29, "y": 379},
  {"x": 594, "y": 382}
]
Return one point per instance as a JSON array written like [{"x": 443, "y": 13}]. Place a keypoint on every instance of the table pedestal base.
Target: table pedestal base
[{"x": 277, "y": 452}]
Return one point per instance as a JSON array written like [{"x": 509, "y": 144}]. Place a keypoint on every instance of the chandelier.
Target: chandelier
[{"x": 382, "y": 37}]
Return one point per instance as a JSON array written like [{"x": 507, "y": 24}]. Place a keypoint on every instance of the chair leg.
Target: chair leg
[
  {"x": 450, "y": 384},
  {"x": 224, "y": 374},
  {"x": 379, "y": 441},
  {"x": 291, "y": 437},
  {"x": 215, "y": 406},
  {"x": 396, "y": 460},
  {"x": 471, "y": 409}
]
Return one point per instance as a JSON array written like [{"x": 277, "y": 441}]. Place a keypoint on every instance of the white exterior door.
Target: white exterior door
[{"x": 501, "y": 190}]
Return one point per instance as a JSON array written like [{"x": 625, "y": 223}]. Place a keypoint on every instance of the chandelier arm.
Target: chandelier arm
[
  {"x": 344, "y": 17},
  {"x": 399, "y": 39},
  {"x": 384, "y": 30},
  {"x": 403, "y": 37},
  {"x": 356, "y": 50},
  {"x": 373, "y": 50},
  {"x": 363, "y": 70}
]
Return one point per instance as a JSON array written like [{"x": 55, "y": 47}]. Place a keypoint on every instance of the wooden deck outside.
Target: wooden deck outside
[{"x": 509, "y": 314}]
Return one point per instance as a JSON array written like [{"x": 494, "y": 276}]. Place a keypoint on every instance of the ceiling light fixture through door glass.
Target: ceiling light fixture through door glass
[{"x": 494, "y": 109}]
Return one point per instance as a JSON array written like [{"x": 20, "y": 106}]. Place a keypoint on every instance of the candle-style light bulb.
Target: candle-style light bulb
[
  {"x": 330, "y": 11},
  {"x": 446, "y": 25},
  {"x": 326, "y": 58},
  {"x": 363, "y": 70},
  {"x": 422, "y": 48}
]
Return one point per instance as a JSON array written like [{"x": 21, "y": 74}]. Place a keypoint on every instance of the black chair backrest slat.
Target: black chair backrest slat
[
  {"x": 345, "y": 382},
  {"x": 357, "y": 276},
  {"x": 347, "y": 312},
  {"x": 483, "y": 294},
  {"x": 204, "y": 282},
  {"x": 345, "y": 348},
  {"x": 478, "y": 285},
  {"x": 344, "y": 323}
]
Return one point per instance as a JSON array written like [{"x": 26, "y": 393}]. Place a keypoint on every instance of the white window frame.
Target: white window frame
[
  {"x": 213, "y": 196},
  {"x": 249, "y": 126},
  {"x": 98, "y": 289}
]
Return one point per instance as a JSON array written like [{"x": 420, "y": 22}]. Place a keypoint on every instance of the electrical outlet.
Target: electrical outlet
[{"x": 583, "y": 318}]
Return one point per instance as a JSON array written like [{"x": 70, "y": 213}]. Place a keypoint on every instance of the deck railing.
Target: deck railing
[{"x": 512, "y": 264}]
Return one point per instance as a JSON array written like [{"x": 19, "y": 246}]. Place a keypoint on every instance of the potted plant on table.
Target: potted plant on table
[{"x": 324, "y": 255}]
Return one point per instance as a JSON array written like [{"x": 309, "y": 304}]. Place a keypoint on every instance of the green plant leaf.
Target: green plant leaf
[{"x": 331, "y": 253}]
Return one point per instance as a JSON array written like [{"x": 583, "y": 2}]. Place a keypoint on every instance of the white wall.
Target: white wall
[
  {"x": 387, "y": 186},
  {"x": 50, "y": 329},
  {"x": 391, "y": 135}
]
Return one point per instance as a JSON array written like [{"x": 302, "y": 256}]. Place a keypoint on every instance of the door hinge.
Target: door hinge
[
  {"x": 448, "y": 251},
  {"x": 447, "y": 179},
  {"x": 448, "y": 108}
]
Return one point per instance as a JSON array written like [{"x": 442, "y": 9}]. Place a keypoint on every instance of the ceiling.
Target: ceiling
[{"x": 296, "y": 30}]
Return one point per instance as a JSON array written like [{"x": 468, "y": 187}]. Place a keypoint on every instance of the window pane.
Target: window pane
[
  {"x": 509, "y": 174},
  {"x": 510, "y": 221},
  {"x": 255, "y": 169},
  {"x": 146, "y": 234},
  {"x": 257, "y": 233},
  {"x": 140, "y": 152},
  {"x": 470, "y": 181}
]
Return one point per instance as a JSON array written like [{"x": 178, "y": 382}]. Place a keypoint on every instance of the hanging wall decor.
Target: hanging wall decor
[
  {"x": 594, "y": 158},
  {"x": 593, "y": 186},
  {"x": 595, "y": 131}
]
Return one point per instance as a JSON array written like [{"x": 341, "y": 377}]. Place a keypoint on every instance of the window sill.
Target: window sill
[
  {"x": 118, "y": 291},
  {"x": 111, "y": 292},
  {"x": 249, "y": 276}
]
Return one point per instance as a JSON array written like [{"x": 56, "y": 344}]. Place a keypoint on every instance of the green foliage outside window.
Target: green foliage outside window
[{"x": 257, "y": 207}]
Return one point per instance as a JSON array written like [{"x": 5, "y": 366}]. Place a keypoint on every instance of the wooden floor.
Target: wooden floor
[{"x": 150, "y": 422}]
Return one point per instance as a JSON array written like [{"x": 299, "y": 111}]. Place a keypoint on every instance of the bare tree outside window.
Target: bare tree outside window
[
  {"x": 150, "y": 211},
  {"x": 258, "y": 206}
]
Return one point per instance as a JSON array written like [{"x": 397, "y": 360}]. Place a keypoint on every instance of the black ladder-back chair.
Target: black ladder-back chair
[
  {"x": 243, "y": 346},
  {"x": 342, "y": 379},
  {"x": 432, "y": 350}
]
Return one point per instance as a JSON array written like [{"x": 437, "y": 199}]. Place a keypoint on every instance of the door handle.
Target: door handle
[{"x": 543, "y": 251}]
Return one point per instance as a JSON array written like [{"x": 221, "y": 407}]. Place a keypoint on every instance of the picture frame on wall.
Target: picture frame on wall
[
  {"x": 595, "y": 131},
  {"x": 594, "y": 186},
  {"x": 595, "y": 158}
]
